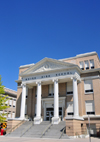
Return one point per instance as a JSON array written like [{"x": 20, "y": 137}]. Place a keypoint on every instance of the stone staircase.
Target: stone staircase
[
  {"x": 29, "y": 129},
  {"x": 36, "y": 130},
  {"x": 55, "y": 131},
  {"x": 20, "y": 130}
]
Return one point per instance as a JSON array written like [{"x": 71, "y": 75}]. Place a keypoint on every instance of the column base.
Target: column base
[
  {"x": 55, "y": 120},
  {"x": 37, "y": 120}
]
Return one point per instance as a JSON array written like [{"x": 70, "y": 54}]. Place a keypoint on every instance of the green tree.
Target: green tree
[{"x": 3, "y": 99}]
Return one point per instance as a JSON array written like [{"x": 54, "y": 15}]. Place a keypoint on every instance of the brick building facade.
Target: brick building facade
[{"x": 61, "y": 90}]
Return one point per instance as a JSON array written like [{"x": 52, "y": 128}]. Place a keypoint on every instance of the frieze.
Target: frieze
[{"x": 48, "y": 76}]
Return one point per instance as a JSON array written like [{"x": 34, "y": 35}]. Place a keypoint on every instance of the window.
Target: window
[
  {"x": 92, "y": 64},
  {"x": 10, "y": 102},
  {"x": 6, "y": 101},
  {"x": 14, "y": 102},
  {"x": 9, "y": 114},
  {"x": 88, "y": 86},
  {"x": 69, "y": 88},
  {"x": 89, "y": 107},
  {"x": 51, "y": 90},
  {"x": 70, "y": 108},
  {"x": 86, "y": 65},
  {"x": 82, "y": 65},
  {"x": 13, "y": 115}
]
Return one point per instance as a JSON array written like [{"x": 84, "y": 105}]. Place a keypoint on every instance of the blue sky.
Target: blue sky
[{"x": 33, "y": 29}]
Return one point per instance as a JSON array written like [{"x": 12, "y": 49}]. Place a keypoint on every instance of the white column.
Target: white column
[
  {"x": 75, "y": 98},
  {"x": 56, "y": 119},
  {"x": 23, "y": 100},
  {"x": 38, "y": 119}
]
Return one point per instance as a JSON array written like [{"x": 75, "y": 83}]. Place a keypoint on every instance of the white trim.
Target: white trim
[
  {"x": 90, "y": 77},
  {"x": 18, "y": 119},
  {"x": 25, "y": 66},
  {"x": 89, "y": 93},
  {"x": 9, "y": 89},
  {"x": 91, "y": 116},
  {"x": 60, "y": 63},
  {"x": 18, "y": 81},
  {"x": 81, "y": 55},
  {"x": 74, "y": 117},
  {"x": 51, "y": 99}
]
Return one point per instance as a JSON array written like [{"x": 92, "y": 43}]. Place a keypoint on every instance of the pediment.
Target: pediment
[{"x": 46, "y": 65}]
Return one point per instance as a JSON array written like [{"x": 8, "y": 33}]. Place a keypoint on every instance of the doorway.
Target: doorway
[{"x": 50, "y": 113}]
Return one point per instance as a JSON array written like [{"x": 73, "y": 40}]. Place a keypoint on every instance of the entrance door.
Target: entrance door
[{"x": 49, "y": 113}]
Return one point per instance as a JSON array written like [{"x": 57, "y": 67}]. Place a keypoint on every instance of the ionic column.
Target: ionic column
[
  {"x": 23, "y": 100},
  {"x": 56, "y": 119},
  {"x": 38, "y": 119},
  {"x": 75, "y": 98}
]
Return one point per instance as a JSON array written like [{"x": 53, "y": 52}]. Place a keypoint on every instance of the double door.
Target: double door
[{"x": 50, "y": 113}]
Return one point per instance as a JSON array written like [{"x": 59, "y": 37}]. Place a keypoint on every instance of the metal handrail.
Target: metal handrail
[
  {"x": 23, "y": 132},
  {"x": 43, "y": 133},
  {"x": 14, "y": 127},
  {"x": 62, "y": 132}
]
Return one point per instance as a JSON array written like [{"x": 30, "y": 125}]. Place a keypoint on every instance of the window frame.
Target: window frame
[
  {"x": 86, "y": 68},
  {"x": 91, "y": 112},
  {"x": 91, "y": 92}
]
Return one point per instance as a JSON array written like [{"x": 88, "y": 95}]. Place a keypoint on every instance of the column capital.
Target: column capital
[
  {"x": 39, "y": 82},
  {"x": 55, "y": 80},
  {"x": 74, "y": 77},
  {"x": 23, "y": 84}
]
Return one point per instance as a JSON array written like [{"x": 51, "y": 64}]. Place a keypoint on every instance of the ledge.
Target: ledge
[
  {"x": 91, "y": 116},
  {"x": 18, "y": 119},
  {"x": 74, "y": 117}
]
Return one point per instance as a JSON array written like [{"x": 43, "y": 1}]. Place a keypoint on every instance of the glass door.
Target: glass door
[{"x": 49, "y": 114}]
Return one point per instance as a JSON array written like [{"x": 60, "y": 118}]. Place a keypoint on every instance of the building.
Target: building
[
  {"x": 12, "y": 95},
  {"x": 61, "y": 90}
]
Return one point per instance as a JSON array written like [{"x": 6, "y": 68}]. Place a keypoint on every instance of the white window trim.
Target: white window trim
[
  {"x": 84, "y": 87},
  {"x": 93, "y": 106},
  {"x": 85, "y": 64}
]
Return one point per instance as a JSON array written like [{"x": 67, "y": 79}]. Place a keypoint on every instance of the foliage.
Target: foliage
[{"x": 3, "y": 100}]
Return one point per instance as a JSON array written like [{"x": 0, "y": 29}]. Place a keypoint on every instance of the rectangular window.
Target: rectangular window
[
  {"x": 9, "y": 114},
  {"x": 92, "y": 64},
  {"x": 69, "y": 88},
  {"x": 6, "y": 114},
  {"x": 13, "y": 115},
  {"x": 70, "y": 108},
  {"x": 10, "y": 102},
  {"x": 88, "y": 86},
  {"x": 89, "y": 107},
  {"x": 6, "y": 102},
  {"x": 82, "y": 65},
  {"x": 51, "y": 90},
  {"x": 86, "y": 65},
  {"x": 14, "y": 103}
]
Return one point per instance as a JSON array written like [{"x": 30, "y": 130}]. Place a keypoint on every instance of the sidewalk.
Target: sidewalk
[{"x": 16, "y": 139}]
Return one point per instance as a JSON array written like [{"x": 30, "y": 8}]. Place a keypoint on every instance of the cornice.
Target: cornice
[
  {"x": 18, "y": 81},
  {"x": 81, "y": 55}
]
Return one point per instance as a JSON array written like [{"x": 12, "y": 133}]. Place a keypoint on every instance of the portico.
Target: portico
[
  {"x": 56, "y": 101},
  {"x": 50, "y": 72}
]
